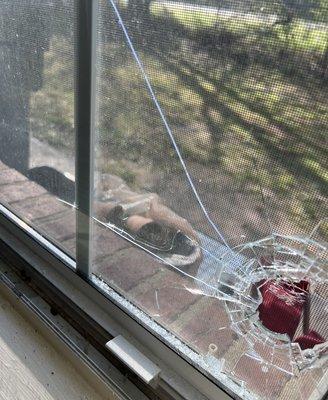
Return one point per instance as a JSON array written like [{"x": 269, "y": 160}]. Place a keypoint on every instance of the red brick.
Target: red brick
[
  {"x": 60, "y": 229},
  {"x": 126, "y": 268},
  {"x": 39, "y": 207},
  {"x": 210, "y": 324},
  {"x": 70, "y": 246},
  {"x": 280, "y": 357},
  {"x": 167, "y": 298},
  {"x": 265, "y": 380},
  {"x": 106, "y": 242},
  {"x": 20, "y": 191},
  {"x": 9, "y": 176},
  {"x": 302, "y": 387}
]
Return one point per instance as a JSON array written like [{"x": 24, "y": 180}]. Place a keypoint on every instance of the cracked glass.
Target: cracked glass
[
  {"x": 209, "y": 208},
  {"x": 211, "y": 184}
]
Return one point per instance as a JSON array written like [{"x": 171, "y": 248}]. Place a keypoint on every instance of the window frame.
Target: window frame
[
  {"x": 85, "y": 104},
  {"x": 179, "y": 377},
  {"x": 85, "y": 110}
]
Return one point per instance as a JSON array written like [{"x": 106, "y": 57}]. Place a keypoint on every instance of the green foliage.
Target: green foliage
[{"x": 230, "y": 100}]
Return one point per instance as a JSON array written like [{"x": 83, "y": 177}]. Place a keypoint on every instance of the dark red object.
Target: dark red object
[
  {"x": 282, "y": 305},
  {"x": 309, "y": 340}
]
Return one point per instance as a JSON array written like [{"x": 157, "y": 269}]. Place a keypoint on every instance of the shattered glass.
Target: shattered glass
[
  {"x": 210, "y": 203},
  {"x": 211, "y": 155},
  {"x": 284, "y": 261}
]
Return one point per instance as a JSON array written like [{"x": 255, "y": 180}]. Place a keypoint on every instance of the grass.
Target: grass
[
  {"x": 239, "y": 116},
  {"x": 52, "y": 108},
  {"x": 300, "y": 36}
]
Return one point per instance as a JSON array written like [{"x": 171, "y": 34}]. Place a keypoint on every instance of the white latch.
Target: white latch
[{"x": 135, "y": 360}]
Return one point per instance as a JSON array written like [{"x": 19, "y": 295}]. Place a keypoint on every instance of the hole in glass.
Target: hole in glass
[{"x": 285, "y": 308}]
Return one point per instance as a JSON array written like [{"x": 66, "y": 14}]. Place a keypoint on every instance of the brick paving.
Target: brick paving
[
  {"x": 166, "y": 295},
  {"x": 120, "y": 271}
]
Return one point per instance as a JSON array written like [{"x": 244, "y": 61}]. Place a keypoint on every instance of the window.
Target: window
[
  {"x": 176, "y": 152},
  {"x": 37, "y": 114}
]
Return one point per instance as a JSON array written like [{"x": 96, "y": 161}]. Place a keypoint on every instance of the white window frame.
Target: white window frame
[{"x": 179, "y": 376}]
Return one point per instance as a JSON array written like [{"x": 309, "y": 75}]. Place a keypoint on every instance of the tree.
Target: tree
[{"x": 324, "y": 62}]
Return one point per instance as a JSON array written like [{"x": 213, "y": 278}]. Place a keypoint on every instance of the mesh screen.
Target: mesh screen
[
  {"x": 211, "y": 155},
  {"x": 210, "y": 203},
  {"x": 243, "y": 89},
  {"x": 37, "y": 114}
]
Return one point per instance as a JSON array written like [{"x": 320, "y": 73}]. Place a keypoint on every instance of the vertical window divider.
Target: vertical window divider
[{"x": 85, "y": 106}]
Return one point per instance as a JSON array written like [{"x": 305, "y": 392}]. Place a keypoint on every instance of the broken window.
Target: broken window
[
  {"x": 206, "y": 203},
  {"x": 211, "y": 147}
]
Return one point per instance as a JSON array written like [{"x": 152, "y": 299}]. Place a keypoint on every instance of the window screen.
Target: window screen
[
  {"x": 37, "y": 115},
  {"x": 211, "y": 156},
  {"x": 209, "y": 199}
]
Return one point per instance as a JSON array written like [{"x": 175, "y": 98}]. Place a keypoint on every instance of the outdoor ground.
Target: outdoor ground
[
  {"x": 245, "y": 99},
  {"x": 245, "y": 96},
  {"x": 173, "y": 300}
]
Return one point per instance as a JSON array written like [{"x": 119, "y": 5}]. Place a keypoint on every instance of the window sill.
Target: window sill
[
  {"x": 62, "y": 362},
  {"x": 178, "y": 379}
]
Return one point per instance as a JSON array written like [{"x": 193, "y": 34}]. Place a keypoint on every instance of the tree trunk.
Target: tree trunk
[{"x": 324, "y": 63}]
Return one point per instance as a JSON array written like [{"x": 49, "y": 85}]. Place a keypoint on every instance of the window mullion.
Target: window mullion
[{"x": 84, "y": 128}]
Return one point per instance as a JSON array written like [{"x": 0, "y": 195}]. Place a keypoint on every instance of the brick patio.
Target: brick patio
[{"x": 164, "y": 294}]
